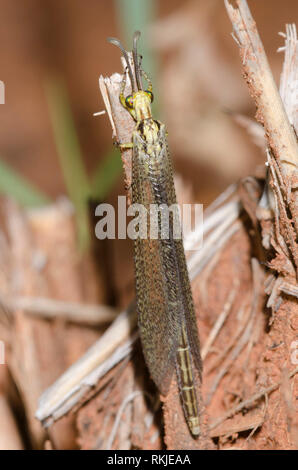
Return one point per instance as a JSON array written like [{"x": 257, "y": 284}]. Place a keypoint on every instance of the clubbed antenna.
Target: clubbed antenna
[
  {"x": 136, "y": 37},
  {"x": 117, "y": 43}
]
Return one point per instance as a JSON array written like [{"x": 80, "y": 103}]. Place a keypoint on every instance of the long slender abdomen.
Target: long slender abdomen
[{"x": 186, "y": 384}]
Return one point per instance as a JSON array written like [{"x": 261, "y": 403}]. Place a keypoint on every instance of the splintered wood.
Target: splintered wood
[{"x": 277, "y": 212}]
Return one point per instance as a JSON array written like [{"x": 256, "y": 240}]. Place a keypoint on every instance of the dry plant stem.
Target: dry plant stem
[
  {"x": 125, "y": 402},
  {"x": 24, "y": 362},
  {"x": 245, "y": 337},
  {"x": 220, "y": 320},
  {"x": 84, "y": 374},
  {"x": 93, "y": 315},
  {"x": 223, "y": 354},
  {"x": 249, "y": 402},
  {"x": 289, "y": 77},
  {"x": 243, "y": 423},
  {"x": 271, "y": 113},
  {"x": 289, "y": 289},
  {"x": 9, "y": 434}
]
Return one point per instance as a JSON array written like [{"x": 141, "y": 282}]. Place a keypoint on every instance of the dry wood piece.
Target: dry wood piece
[
  {"x": 122, "y": 123},
  {"x": 271, "y": 112},
  {"x": 278, "y": 215}
]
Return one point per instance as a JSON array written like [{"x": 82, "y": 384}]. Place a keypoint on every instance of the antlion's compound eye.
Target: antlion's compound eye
[
  {"x": 129, "y": 101},
  {"x": 150, "y": 94}
]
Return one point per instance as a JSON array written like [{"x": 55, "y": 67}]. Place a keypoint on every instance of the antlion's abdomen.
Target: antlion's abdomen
[{"x": 187, "y": 385}]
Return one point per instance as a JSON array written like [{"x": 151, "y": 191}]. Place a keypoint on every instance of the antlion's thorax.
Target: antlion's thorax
[{"x": 142, "y": 105}]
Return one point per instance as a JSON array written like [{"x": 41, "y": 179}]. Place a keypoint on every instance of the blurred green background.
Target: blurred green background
[{"x": 52, "y": 53}]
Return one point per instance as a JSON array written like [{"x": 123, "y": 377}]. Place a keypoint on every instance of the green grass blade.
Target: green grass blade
[
  {"x": 71, "y": 161},
  {"x": 105, "y": 175},
  {"x": 15, "y": 186}
]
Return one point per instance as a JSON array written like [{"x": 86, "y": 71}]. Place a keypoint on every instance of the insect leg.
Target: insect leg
[{"x": 126, "y": 146}]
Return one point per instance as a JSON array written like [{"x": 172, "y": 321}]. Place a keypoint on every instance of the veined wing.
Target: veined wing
[{"x": 164, "y": 299}]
